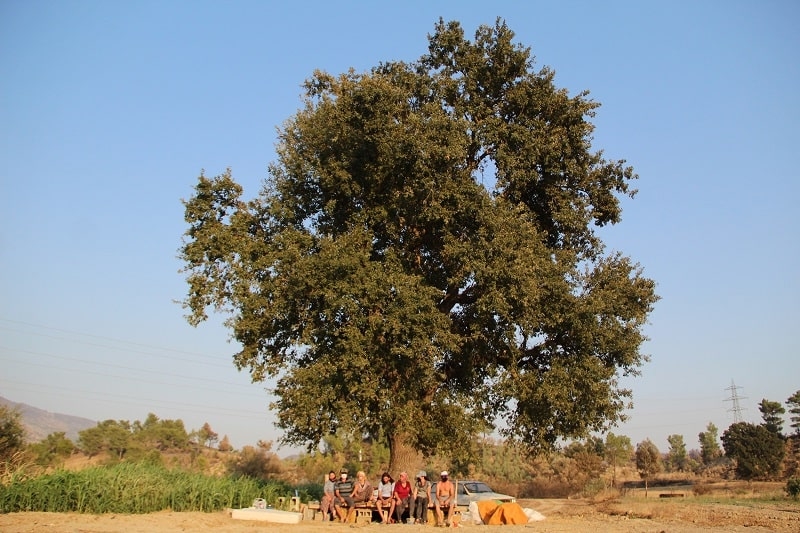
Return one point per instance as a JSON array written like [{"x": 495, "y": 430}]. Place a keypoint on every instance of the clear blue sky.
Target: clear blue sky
[{"x": 109, "y": 111}]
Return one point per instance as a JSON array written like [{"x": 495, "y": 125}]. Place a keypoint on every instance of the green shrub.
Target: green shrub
[{"x": 793, "y": 487}]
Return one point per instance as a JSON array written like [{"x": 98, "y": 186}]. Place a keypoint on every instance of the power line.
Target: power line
[{"x": 132, "y": 346}]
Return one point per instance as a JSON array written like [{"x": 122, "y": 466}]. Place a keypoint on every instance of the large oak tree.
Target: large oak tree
[{"x": 422, "y": 262}]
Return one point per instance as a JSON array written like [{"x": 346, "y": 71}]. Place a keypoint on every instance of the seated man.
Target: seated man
[
  {"x": 445, "y": 499},
  {"x": 343, "y": 496}
]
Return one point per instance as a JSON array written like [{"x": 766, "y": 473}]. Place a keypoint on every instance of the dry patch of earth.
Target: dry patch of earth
[{"x": 627, "y": 515}]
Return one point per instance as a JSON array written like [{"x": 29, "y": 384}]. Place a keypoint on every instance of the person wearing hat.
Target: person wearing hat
[
  {"x": 420, "y": 498},
  {"x": 445, "y": 499},
  {"x": 343, "y": 496}
]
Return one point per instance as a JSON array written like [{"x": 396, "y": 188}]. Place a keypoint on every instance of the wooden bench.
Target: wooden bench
[
  {"x": 363, "y": 512},
  {"x": 363, "y": 515},
  {"x": 372, "y": 508}
]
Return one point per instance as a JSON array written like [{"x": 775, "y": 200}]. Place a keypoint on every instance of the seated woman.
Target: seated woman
[
  {"x": 362, "y": 490},
  {"x": 421, "y": 497},
  {"x": 401, "y": 497},
  {"x": 326, "y": 506},
  {"x": 385, "y": 491}
]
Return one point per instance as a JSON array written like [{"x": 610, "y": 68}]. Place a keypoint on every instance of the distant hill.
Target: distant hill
[{"x": 39, "y": 423}]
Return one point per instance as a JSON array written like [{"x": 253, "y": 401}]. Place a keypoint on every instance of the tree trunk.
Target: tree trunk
[{"x": 403, "y": 457}]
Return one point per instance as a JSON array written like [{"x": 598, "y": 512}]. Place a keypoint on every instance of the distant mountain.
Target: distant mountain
[{"x": 39, "y": 423}]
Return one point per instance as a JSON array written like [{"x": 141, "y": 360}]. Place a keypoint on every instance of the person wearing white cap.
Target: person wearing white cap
[
  {"x": 420, "y": 498},
  {"x": 445, "y": 498}
]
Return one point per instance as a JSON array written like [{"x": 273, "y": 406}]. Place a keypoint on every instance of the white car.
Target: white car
[{"x": 469, "y": 491}]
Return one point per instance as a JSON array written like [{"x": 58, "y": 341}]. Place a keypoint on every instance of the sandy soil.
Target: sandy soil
[{"x": 561, "y": 516}]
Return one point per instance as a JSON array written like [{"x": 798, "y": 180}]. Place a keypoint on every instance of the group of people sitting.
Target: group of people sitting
[{"x": 340, "y": 497}]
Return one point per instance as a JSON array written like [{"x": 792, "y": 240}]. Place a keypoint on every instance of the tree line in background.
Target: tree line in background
[{"x": 743, "y": 451}]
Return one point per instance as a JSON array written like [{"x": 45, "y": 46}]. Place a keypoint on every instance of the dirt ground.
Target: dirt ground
[{"x": 561, "y": 516}]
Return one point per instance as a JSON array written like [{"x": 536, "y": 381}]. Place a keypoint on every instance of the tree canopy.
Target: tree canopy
[
  {"x": 648, "y": 461},
  {"x": 677, "y": 457},
  {"x": 423, "y": 262},
  {"x": 794, "y": 411},
  {"x": 121, "y": 436},
  {"x": 618, "y": 451},
  {"x": 12, "y": 433},
  {"x": 710, "y": 450},
  {"x": 772, "y": 415},
  {"x": 758, "y": 452}
]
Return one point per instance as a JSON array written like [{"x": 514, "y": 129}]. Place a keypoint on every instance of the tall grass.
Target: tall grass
[{"x": 134, "y": 488}]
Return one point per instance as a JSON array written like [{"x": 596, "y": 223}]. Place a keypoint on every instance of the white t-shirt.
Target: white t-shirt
[{"x": 385, "y": 490}]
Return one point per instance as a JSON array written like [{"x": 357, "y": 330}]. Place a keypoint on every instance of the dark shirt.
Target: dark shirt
[{"x": 345, "y": 488}]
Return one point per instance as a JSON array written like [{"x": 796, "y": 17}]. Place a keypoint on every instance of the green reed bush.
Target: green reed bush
[{"x": 134, "y": 488}]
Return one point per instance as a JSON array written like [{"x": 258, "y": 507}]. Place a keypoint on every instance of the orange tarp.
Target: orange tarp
[{"x": 494, "y": 514}]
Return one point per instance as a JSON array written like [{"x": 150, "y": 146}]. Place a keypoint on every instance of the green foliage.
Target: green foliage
[
  {"x": 12, "y": 433},
  {"x": 378, "y": 458},
  {"x": 502, "y": 461},
  {"x": 793, "y": 487},
  {"x": 772, "y": 414},
  {"x": 576, "y": 472},
  {"x": 618, "y": 451},
  {"x": 587, "y": 462},
  {"x": 163, "y": 435},
  {"x": 52, "y": 449},
  {"x": 710, "y": 450},
  {"x": 757, "y": 451},
  {"x": 648, "y": 459},
  {"x": 794, "y": 412},
  {"x": 107, "y": 436},
  {"x": 135, "y": 440},
  {"x": 314, "y": 466},
  {"x": 133, "y": 488},
  {"x": 677, "y": 458},
  {"x": 255, "y": 462},
  {"x": 309, "y": 491},
  {"x": 392, "y": 293}
]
